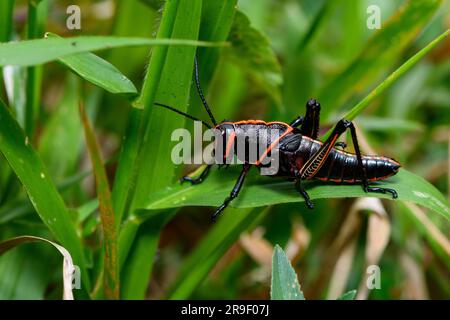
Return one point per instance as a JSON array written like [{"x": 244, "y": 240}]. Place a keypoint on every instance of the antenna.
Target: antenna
[
  {"x": 182, "y": 113},
  {"x": 200, "y": 93}
]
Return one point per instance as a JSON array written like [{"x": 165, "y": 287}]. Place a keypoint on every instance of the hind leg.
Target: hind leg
[{"x": 362, "y": 169}]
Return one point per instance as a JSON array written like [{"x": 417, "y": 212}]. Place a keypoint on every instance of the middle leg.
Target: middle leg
[
  {"x": 200, "y": 178},
  {"x": 302, "y": 191},
  {"x": 234, "y": 193}
]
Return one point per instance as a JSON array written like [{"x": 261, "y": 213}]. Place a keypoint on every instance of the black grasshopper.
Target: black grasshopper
[{"x": 301, "y": 156}]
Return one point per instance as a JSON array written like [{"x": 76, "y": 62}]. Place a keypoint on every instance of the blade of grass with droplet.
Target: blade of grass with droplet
[{"x": 30, "y": 170}]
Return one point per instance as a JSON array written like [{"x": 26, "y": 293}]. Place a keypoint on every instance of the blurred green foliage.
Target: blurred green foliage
[{"x": 281, "y": 54}]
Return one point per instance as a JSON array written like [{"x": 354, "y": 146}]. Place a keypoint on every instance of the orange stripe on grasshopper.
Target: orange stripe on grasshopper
[
  {"x": 230, "y": 144},
  {"x": 273, "y": 144}
]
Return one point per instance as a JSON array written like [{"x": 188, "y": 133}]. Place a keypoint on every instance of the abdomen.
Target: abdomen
[{"x": 342, "y": 167}]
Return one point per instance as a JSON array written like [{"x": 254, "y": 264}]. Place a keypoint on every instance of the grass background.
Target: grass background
[{"x": 125, "y": 229}]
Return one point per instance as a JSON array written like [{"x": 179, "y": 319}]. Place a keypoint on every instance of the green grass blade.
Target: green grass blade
[
  {"x": 6, "y": 17},
  {"x": 138, "y": 268},
  {"x": 285, "y": 284},
  {"x": 111, "y": 264},
  {"x": 181, "y": 20},
  {"x": 350, "y": 115},
  {"x": 379, "y": 54},
  {"x": 125, "y": 185},
  {"x": 212, "y": 247},
  {"x": 36, "y": 180},
  {"x": 99, "y": 72},
  {"x": 46, "y": 50},
  {"x": 37, "y": 16},
  {"x": 146, "y": 19},
  {"x": 217, "y": 19},
  {"x": 316, "y": 24},
  {"x": 263, "y": 191}
]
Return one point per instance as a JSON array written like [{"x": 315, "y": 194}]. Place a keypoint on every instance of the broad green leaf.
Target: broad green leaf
[
  {"x": 348, "y": 295},
  {"x": 68, "y": 266},
  {"x": 111, "y": 261},
  {"x": 42, "y": 193},
  {"x": 99, "y": 72},
  {"x": 261, "y": 191},
  {"x": 212, "y": 247},
  {"x": 379, "y": 54},
  {"x": 46, "y": 50},
  {"x": 251, "y": 50},
  {"x": 284, "y": 284}
]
